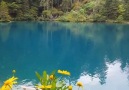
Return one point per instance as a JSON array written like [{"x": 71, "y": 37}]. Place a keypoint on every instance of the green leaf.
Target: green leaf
[
  {"x": 53, "y": 86},
  {"x": 44, "y": 78},
  {"x": 65, "y": 88},
  {"x": 38, "y": 76}
]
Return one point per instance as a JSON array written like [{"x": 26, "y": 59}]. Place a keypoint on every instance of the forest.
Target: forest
[{"x": 65, "y": 10}]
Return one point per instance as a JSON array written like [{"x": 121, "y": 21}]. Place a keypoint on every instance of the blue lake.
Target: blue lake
[{"x": 96, "y": 54}]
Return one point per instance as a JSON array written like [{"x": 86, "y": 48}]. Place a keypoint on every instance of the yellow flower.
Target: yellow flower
[
  {"x": 41, "y": 87},
  {"x": 51, "y": 77},
  {"x": 70, "y": 87},
  {"x": 48, "y": 86},
  {"x": 9, "y": 83},
  {"x": 44, "y": 87},
  {"x": 64, "y": 72},
  {"x": 79, "y": 84}
]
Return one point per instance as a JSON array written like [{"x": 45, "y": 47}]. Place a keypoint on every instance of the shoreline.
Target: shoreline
[{"x": 88, "y": 21}]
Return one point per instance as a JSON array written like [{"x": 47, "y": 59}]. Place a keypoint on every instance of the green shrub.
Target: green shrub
[
  {"x": 14, "y": 9},
  {"x": 47, "y": 14},
  {"x": 89, "y": 6},
  {"x": 73, "y": 16},
  {"x": 4, "y": 12},
  {"x": 99, "y": 18},
  {"x": 56, "y": 13},
  {"x": 30, "y": 15},
  {"x": 120, "y": 18}
]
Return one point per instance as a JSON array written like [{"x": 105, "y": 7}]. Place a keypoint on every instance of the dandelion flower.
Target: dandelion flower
[{"x": 64, "y": 72}]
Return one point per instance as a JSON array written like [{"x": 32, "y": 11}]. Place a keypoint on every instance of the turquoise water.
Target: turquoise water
[{"x": 95, "y": 54}]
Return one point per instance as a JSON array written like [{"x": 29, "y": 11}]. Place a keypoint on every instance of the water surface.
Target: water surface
[{"x": 96, "y": 54}]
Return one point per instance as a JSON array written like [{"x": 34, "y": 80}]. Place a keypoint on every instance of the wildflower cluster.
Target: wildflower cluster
[
  {"x": 47, "y": 82},
  {"x": 51, "y": 82}
]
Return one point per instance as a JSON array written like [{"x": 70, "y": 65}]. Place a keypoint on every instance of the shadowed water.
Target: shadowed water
[{"x": 95, "y": 54}]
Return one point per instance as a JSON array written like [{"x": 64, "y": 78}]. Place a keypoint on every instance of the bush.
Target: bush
[
  {"x": 99, "y": 18},
  {"x": 4, "y": 12},
  {"x": 13, "y": 9},
  {"x": 51, "y": 14},
  {"x": 56, "y": 13},
  {"x": 47, "y": 14},
  {"x": 89, "y": 6},
  {"x": 28, "y": 17},
  {"x": 73, "y": 16},
  {"x": 120, "y": 18}
]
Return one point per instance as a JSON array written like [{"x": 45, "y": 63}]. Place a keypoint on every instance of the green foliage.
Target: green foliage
[
  {"x": 73, "y": 16},
  {"x": 39, "y": 77},
  {"x": 47, "y": 14},
  {"x": 51, "y": 14},
  {"x": 66, "y": 5},
  {"x": 30, "y": 15},
  {"x": 14, "y": 9},
  {"x": 121, "y": 9},
  {"x": 20, "y": 16},
  {"x": 4, "y": 12},
  {"x": 99, "y": 18},
  {"x": 120, "y": 18},
  {"x": 111, "y": 9},
  {"x": 56, "y": 13},
  {"x": 89, "y": 6},
  {"x": 126, "y": 13},
  {"x": 76, "y": 6},
  {"x": 64, "y": 10},
  {"x": 44, "y": 78},
  {"x": 52, "y": 83},
  {"x": 82, "y": 11},
  {"x": 14, "y": 5},
  {"x": 33, "y": 11}
]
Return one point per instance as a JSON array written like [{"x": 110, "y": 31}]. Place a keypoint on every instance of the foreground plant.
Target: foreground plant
[
  {"x": 8, "y": 84},
  {"x": 51, "y": 82},
  {"x": 46, "y": 81}
]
